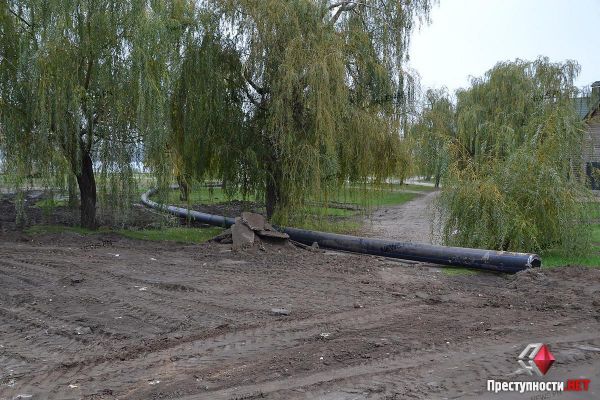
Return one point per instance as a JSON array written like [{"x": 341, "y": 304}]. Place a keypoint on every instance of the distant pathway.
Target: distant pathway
[{"x": 409, "y": 222}]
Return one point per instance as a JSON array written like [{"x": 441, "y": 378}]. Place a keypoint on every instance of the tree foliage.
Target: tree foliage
[
  {"x": 323, "y": 93},
  {"x": 431, "y": 134},
  {"x": 206, "y": 110},
  {"x": 82, "y": 87},
  {"x": 285, "y": 99},
  {"x": 515, "y": 181}
]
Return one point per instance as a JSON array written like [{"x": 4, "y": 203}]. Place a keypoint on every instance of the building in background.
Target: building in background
[{"x": 588, "y": 108}]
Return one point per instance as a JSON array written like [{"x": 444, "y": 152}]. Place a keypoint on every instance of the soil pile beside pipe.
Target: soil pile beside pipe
[{"x": 251, "y": 230}]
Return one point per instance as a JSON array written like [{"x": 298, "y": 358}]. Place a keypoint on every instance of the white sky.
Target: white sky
[{"x": 467, "y": 37}]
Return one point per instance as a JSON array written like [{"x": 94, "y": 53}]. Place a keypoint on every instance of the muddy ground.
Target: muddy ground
[{"x": 104, "y": 317}]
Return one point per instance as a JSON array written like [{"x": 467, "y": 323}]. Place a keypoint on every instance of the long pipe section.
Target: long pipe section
[
  {"x": 490, "y": 260},
  {"x": 210, "y": 219}
]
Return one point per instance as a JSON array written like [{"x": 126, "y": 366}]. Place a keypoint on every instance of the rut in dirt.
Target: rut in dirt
[{"x": 103, "y": 317}]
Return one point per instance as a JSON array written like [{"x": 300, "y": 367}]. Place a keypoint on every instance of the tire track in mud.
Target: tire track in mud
[
  {"x": 245, "y": 346},
  {"x": 220, "y": 336},
  {"x": 27, "y": 271},
  {"x": 390, "y": 373},
  {"x": 37, "y": 343},
  {"x": 369, "y": 321},
  {"x": 29, "y": 268},
  {"x": 35, "y": 320},
  {"x": 156, "y": 292},
  {"x": 239, "y": 346}
]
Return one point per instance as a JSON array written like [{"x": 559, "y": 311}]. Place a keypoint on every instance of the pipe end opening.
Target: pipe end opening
[{"x": 535, "y": 261}]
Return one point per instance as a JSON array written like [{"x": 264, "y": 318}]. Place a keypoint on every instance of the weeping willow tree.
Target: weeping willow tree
[
  {"x": 322, "y": 93},
  {"x": 514, "y": 182},
  {"x": 432, "y": 133},
  {"x": 206, "y": 109},
  {"x": 82, "y": 85}
]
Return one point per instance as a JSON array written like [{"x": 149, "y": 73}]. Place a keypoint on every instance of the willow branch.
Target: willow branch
[
  {"x": 346, "y": 5},
  {"x": 23, "y": 20},
  {"x": 257, "y": 88},
  {"x": 251, "y": 97}
]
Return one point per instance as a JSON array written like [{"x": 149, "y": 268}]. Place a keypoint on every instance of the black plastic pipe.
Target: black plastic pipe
[
  {"x": 501, "y": 261},
  {"x": 490, "y": 260},
  {"x": 210, "y": 219}
]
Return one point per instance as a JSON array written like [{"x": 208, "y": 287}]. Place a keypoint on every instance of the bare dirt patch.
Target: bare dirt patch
[
  {"x": 104, "y": 317},
  {"x": 138, "y": 216},
  {"x": 408, "y": 222}
]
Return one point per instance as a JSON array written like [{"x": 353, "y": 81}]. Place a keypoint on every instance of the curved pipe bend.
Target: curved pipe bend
[{"x": 490, "y": 260}]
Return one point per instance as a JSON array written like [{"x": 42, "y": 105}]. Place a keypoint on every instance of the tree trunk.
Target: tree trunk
[
  {"x": 72, "y": 184},
  {"x": 87, "y": 191},
  {"x": 184, "y": 188},
  {"x": 271, "y": 196}
]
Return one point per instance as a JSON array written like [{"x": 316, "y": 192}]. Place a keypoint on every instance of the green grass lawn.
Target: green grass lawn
[
  {"x": 330, "y": 211},
  {"x": 204, "y": 195},
  {"x": 316, "y": 223},
  {"x": 328, "y": 219},
  {"x": 48, "y": 204},
  {"x": 394, "y": 198},
  {"x": 171, "y": 234},
  {"x": 595, "y": 210},
  {"x": 385, "y": 196},
  {"x": 557, "y": 259}
]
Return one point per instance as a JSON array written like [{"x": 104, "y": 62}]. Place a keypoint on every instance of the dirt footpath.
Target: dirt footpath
[
  {"x": 103, "y": 317},
  {"x": 408, "y": 222}
]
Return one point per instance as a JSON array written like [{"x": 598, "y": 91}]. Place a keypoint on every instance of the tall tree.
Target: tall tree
[
  {"x": 84, "y": 81},
  {"x": 432, "y": 134},
  {"x": 324, "y": 91},
  {"x": 206, "y": 109},
  {"x": 514, "y": 182}
]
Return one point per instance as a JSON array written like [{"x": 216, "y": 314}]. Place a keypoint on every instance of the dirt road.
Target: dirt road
[
  {"x": 408, "y": 222},
  {"x": 103, "y": 317}
]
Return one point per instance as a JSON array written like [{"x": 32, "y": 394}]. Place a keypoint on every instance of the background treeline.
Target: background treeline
[
  {"x": 508, "y": 151},
  {"x": 286, "y": 100}
]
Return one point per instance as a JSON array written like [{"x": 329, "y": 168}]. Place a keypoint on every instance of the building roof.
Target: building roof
[
  {"x": 582, "y": 106},
  {"x": 586, "y": 106}
]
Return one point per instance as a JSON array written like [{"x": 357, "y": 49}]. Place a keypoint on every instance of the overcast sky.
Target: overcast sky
[{"x": 467, "y": 37}]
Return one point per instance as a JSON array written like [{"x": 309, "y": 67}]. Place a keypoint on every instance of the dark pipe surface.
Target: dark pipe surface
[
  {"x": 210, "y": 219},
  {"x": 490, "y": 260}
]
